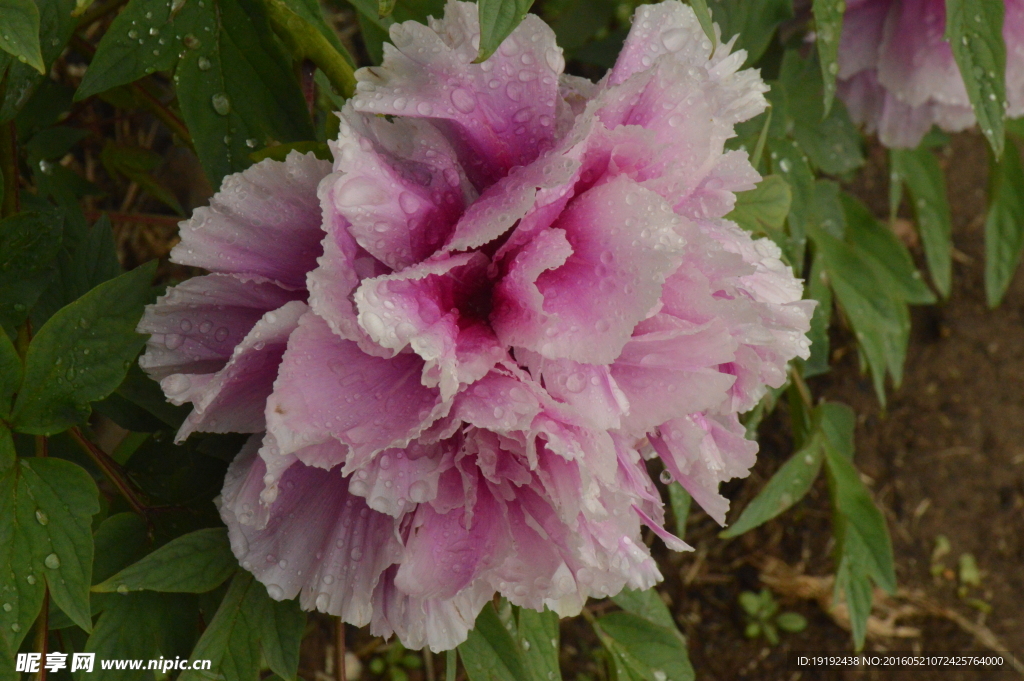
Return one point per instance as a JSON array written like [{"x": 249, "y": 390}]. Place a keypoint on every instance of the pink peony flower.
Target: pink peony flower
[
  {"x": 456, "y": 348},
  {"x": 897, "y": 74}
]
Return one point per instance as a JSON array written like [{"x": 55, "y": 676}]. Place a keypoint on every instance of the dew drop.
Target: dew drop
[
  {"x": 203, "y": 63},
  {"x": 221, "y": 103},
  {"x": 41, "y": 517},
  {"x": 122, "y": 589},
  {"x": 463, "y": 100},
  {"x": 275, "y": 592}
]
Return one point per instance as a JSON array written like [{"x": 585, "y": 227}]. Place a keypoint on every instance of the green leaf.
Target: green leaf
[
  {"x": 193, "y": 563},
  {"x": 490, "y": 653},
  {"x": 141, "y": 626},
  {"x": 646, "y": 604},
  {"x": 680, "y": 500},
  {"x": 1004, "y": 224},
  {"x": 20, "y": 34},
  {"x": 137, "y": 164},
  {"x": 81, "y": 267},
  {"x": 7, "y": 454},
  {"x": 82, "y": 354},
  {"x": 754, "y": 21},
  {"x": 828, "y": 26},
  {"x": 48, "y": 505},
  {"x": 880, "y": 320},
  {"x": 831, "y": 142},
  {"x": 789, "y": 485},
  {"x": 120, "y": 541},
  {"x": 818, "y": 289},
  {"x": 53, "y": 143},
  {"x": 888, "y": 257},
  {"x": 29, "y": 242},
  {"x": 10, "y": 375},
  {"x": 146, "y": 36},
  {"x": 56, "y": 24},
  {"x": 837, "y": 422},
  {"x": 790, "y": 163},
  {"x": 236, "y": 88},
  {"x": 281, "y": 633},
  {"x": 538, "y": 633},
  {"x": 792, "y": 622},
  {"x": 974, "y": 29},
  {"x": 498, "y": 18},
  {"x": 853, "y": 582},
  {"x": 763, "y": 210},
  {"x": 232, "y": 640},
  {"x": 700, "y": 8},
  {"x": 920, "y": 171},
  {"x": 864, "y": 523},
  {"x": 653, "y": 652}
]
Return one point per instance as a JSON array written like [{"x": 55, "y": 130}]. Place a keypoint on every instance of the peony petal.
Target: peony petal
[
  {"x": 320, "y": 542},
  {"x": 668, "y": 27},
  {"x": 915, "y": 62},
  {"x": 863, "y": 26},
  {"x": 624, "y": 243},
  {"x": 233, "y": 400},
  {"x": 589, "y": 388},
  {"x": 385, "y": 405},
  {"x": 398, "y": 184},
  {"x": 264, "y": 221},
  {"x": 700, "y": 452},
  {"x": 195, "y": 325},
  {"x": 499, "y": 114},
  {"x": 341, "y": 268},
  {"x": 399, "y": 479},
  {"x": 445, "y": 553},
  {"x": 432, "y": 308},
  {"x": 672, "y": 371}
]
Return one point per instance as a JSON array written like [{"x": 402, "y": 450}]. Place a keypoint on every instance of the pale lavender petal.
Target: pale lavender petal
[
  {"x": 399, "y": 479},
  {"x": 319, "y": 542},
  {"x": 264, "y": 221},
  {"x": 624, "y": 243},
  {"x": 195, "y": 325},
  {"x": 398, "y": 184},
  {"x": 232, "y": 401},
  {"x": 500, "y": 113},
  {"x": 328, "y": 388}
]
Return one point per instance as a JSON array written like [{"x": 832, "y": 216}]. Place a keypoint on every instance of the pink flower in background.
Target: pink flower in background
[
  {"x": 456, "y": 348},
  {"x": 897, "y": 74}
]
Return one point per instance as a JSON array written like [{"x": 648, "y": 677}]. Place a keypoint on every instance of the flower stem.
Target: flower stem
[
  {"x": 450, "y": 665},
  {"x": 110, "y": 469},
  {"x": 305, "y": 41}
]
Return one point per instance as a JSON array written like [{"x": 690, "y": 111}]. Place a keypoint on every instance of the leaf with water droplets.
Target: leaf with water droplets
[
  {"x": 828, "y": 26},
  {"x": 80, "y": 354},
  {"x": 644, "y": 650},
  {"x": 919, "y": 170},
  {"x": 193, "y": 563},
  {"x": 19, "y": 34},
  {"x": 754, "y": 21},
  {"x": 129, "y": 51},
  {"x": 498, "y": 18},
  {"x": 137, "y": 164},
  {"x": 491, "y": 652},
  {"x": 57, "y": 553},
  {"x": 29, "y": 243},
  {"x": 246, "y": 617},
  {"x": 538, "y": 633},
  {"x": 974, "y": 29},
  {"x": 1004, "y": 224},
  {"x": 789, "y": 485},
  {"x": 236, "y": 86}
]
